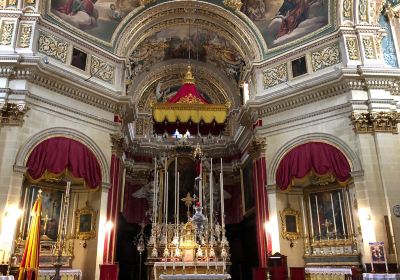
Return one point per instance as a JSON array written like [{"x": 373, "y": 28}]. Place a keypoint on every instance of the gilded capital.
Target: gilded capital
[
  {"x": 367, "y": 122},
  {"x": 257, "y": 147},
  {"x": 117, "y": 142},
  {"x": 233, "y": 4},
  {"x": 12, "y": 114}
]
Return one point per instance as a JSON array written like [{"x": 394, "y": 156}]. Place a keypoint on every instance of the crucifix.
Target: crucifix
[
  {"x": 46, "y": 219},
  {"x": 188, "y": 202}
]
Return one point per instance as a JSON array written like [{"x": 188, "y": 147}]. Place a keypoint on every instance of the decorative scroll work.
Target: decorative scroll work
[
  {"x": 102, "y": 70},
  {"x": 347, "y": 8},
  {"x": 7, "y": 29},
  {"x": 362, "y": 10},
  {"x": 12, "y": 113},
  {"x": 233, "y": 4},
  {"x": 25, "y": 33},
  {"x": 369, "y": 51},
  {"x": 275, "y": 75},
  {"x": 53, "y": 47},
  {"x": 325, "y": 57},
  {"x": 375, "y": 122},
  {"x": 352, "y": 48}
]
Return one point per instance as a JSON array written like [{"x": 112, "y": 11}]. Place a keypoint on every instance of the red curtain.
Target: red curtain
[
  {"x": 134, "y": 208},
  {"x": 233, "y": 205},
  {"x": 57, "y": 154},
  {"x": 314, "y": 156},
  {"x": 186, "y": 90}
]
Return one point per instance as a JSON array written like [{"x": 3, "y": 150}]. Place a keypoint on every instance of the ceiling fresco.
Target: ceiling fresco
[
  {"x": 279, "y": 21},
  {"x": 283, "y": 21},
  {"x": 181, "y": 43}
]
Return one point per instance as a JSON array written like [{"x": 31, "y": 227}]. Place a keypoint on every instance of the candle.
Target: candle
[
  {"x": 304, "y": 216},
  {"x": 319, "y": 222},
  {"x": 341, "y": 213},
  {"x": 221, "y": 181},
  {"x": 23, "y": 212},
  {"x": 200, "y": 184},
  {"x": 2, "y": 259},
  {"x": 333, "y": 214},
  {"x": 73, "y": 213},
  {"x": 211, "y": 196},
  {"x": 154, "y": 189},
  {"x": 177, "y": 206},
  {"x": 311, "y": 218},
  {"x": 157, "y": 174},
  {"x": 166, "y": 193},
  {"x": 350, "y": 212},
  {"x": 176, "y": 191}
]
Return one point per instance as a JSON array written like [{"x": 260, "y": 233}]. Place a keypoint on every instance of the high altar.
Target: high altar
[{"x": 198, "y": 247}]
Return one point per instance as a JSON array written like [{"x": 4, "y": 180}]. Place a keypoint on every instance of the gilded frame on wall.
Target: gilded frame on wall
[
  {"x": 85, "y": 223},
  {"x": 290, "y": 220}
]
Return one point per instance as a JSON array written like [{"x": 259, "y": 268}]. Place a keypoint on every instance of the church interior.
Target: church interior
[{"x": 199, "y": 139}]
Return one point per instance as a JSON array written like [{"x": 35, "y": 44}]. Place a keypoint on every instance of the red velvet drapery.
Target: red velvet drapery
[
  {"x": 319, "y": 157},
  {"x": 58, "y": 154},
  {"x": 186, "y": 90}
]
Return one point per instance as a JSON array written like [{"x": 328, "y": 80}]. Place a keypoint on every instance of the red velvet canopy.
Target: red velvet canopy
[
  {"x": 58, "y": 154},
  {"x": 319, "y": 157},
  {"x": 187, "y": 93}
]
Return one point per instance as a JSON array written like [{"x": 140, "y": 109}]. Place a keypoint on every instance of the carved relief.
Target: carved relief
[
  {"x": 362, "y": 10},
  {"x": 347, "y": 8},
  {"x": 368, "y": 44},
  {"x": 352, "y": 48},
  {"x": 325, "y": 57},
  {"x": 117, "y": 141},
  {"x": 233, "y": 4},
  {"x": 102, "y": 70},
  {"x": 275, "y": 75},
  {"x": 378, "y": 45},
  {"x": 25, "y": 33},
  {"x": 7, "y": 29},
  {"x": 12, "y": 113},
  {"x": 53, "y": 47},
  {"x": 375, "y": 9},
  {"x": 257, "y": 147},
  {"x": 375, "y": 122}
]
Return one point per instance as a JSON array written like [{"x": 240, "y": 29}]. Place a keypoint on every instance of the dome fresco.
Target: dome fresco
[{"x": 279, "y": 22}]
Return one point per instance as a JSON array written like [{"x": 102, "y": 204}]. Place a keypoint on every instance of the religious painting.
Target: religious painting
[
  {"x": 248, "y": 187},
  {"x": 51, "y": 209},
  {"x": 290, "y": 221},
  {"x": 85, "y": 222},
  {"x": 328, "y": 219},
  {"x": 377, "y": 250},
  {"x": 99, "y": 18},
  {"x": 178, "y": 43},
  {"x": 283, "y": 21}
]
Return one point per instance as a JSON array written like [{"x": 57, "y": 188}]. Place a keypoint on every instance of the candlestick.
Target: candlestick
[
  {"x": 333, "y": 214},
  {"x": 319, "y": 222},
  {"x": 341, "y": 213},
  {"x": 311, "y": 218}
]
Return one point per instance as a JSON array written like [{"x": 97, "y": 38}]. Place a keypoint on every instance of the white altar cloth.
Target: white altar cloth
[
  {"x": 195, "y": 276},
  {"x": 9, "y": 277},
  {"x": 158, "y": 273},
  {"x": 328, "y": 270},
  {"x": 391, "y": 276},
  {"x": 66, "y": 274}
]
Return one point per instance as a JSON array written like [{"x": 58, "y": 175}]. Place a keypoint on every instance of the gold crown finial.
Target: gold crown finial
[{"x": 189, "y": 79}]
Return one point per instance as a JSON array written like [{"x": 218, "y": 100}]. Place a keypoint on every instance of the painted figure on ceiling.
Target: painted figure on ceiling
[
  {"x": 293, "y": 12},
  {"x": 80, "y": 13}
]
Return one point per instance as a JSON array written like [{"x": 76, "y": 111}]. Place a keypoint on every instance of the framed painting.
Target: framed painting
[
  {"x": 85, "y": 223},
  {"x": 290, "y": 220}
]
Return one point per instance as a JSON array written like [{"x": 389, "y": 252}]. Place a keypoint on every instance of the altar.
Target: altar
[
  {"x": 196, "y": 276},
  {"x": 190, "y": 270}
]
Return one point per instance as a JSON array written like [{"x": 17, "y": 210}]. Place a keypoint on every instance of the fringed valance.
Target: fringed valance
[
  {"x": 57, "y": 156},
  {"x": 314, "y": 157}
]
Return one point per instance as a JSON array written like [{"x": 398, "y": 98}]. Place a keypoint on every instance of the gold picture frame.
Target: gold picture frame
[
  {"x": 85, "y": 223},
  {"x": 290, "y": 220}
]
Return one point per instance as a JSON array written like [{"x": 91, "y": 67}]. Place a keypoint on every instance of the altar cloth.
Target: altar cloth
[
  {"x": 391, "y": 276},
  {"x": 8, "y": 277},
  {"x": 195, "y": 276}
]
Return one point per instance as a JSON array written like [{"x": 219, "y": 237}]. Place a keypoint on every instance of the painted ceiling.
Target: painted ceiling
[{"x": 280, "y": 22}]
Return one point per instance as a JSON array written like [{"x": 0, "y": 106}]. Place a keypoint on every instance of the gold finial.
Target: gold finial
[
  {"x": 189, "y": 79},
  {"x": 198, "y": 152}
]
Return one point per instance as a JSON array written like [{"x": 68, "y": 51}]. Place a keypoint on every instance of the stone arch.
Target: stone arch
[
  {"x": 352, "y": 157},
  {"x": 32, "y": 142}
]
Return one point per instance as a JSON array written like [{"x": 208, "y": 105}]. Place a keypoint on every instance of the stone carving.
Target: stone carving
[
  {"x": 375, "y": 9},
  {"x": 352, "y": 48},
  {"x": 347, "y": 8},
  {"x": 102, "y": 69},
  {"x": 375, "y": 122},
  {"x": 275, "y": 76},
  {"x": 53, "y": 47},
  {"x": 325, "y": 57},
  {"x": 362, "y": 10},
  {"x": 117, "y": 141},
  {"x": 368, "y": 43},
  {"x": 24, "y": 38},
  {"x": 12, "y": 113},
  {"x": 7, "y": 29},
  {"x": 233, "y": 4},
  {"x": 257, "y": 147}
]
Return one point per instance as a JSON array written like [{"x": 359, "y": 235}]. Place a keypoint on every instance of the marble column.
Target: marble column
[{"x": 264, "y": 245}]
